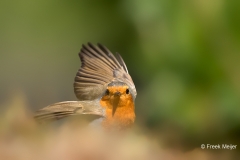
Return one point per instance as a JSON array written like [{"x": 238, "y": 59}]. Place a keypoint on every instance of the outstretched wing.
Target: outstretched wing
[
  {"x": 64, "y": 109},
  {"x": 99, "y": 67}
]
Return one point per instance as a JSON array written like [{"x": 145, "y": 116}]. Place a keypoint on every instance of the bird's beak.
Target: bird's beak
[
  {"x": 115, "y": 101},
  {"x": 117, "y": 93}
]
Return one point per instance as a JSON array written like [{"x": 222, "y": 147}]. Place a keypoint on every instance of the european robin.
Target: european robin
[{"x": 104, "y": 88}]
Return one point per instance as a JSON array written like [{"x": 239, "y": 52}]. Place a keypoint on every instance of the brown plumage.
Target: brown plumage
[{"x": 103, "y": 87}]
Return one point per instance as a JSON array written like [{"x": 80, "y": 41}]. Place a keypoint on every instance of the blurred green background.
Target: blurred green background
[{"x": 184, "y": 57}]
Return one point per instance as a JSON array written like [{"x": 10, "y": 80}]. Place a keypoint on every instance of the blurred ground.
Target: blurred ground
[
  {"x": 22, "y": 138},
  {"x": 183, "y": 57}
]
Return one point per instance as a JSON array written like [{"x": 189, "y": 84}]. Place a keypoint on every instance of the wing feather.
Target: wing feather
[
  {"x": 99, "y": 67},
  {"x": 64, "y": 109},
  {"x": 121, "y": 61}
]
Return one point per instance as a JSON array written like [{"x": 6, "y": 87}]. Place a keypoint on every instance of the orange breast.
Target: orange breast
[{"x": 124, "y": 114}]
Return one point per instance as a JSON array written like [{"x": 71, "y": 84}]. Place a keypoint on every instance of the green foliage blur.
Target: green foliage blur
[{"x": 184, "y": 57}]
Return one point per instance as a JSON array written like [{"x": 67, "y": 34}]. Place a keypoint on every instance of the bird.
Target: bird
[{"x": 104, "y": 88}]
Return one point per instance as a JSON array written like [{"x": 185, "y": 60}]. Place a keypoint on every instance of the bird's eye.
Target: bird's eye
[
  {"x": 127, "y": 91},
  {"x": 107, "y": 92}
]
